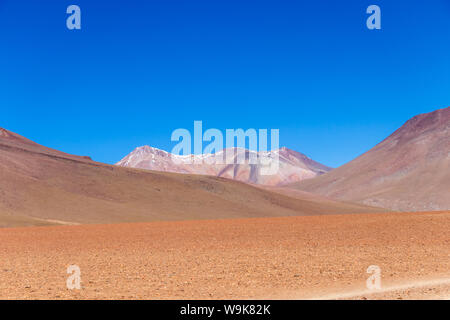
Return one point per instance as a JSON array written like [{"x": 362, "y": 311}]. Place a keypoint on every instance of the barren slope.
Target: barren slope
[
  {"x": 39, "y": 185},
  {"x": 289, "y": 257},
  {"x": 410, "y": 170}
]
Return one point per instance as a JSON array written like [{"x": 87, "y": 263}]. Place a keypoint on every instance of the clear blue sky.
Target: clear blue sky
[{"x": 137, "y": 70}]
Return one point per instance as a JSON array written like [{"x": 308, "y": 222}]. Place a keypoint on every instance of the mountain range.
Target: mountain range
[
  {"x": 408, "y": 171},
  {"x": 293, "y": 166},
  {"x": 42, "y": 186}
]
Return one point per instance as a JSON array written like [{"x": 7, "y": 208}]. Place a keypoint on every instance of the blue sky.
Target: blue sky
[{"x": 137, "y": 70}]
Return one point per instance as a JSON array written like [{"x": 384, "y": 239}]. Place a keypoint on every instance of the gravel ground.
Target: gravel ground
[{"x": 275, "y": 258}]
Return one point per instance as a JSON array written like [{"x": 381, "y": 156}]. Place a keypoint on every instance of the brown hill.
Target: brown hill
[
  {"x": 39, "y": 185},
  {"x": 407, "y": 171}
]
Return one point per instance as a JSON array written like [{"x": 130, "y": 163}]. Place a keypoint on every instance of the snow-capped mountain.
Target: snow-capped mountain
[{"x": 292, "y": 166}]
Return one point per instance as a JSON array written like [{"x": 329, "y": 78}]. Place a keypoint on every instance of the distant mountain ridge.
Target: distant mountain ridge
[{"x": 293, "y": 166}]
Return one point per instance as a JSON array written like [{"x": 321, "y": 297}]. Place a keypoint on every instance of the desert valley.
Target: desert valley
[{"x": 148, "y": 228}]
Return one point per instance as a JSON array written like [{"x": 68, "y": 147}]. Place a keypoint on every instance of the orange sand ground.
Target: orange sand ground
[{"x": 286, "y": 258}]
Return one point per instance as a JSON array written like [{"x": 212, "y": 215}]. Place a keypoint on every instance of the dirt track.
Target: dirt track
[{"x": 292, "y": 257}]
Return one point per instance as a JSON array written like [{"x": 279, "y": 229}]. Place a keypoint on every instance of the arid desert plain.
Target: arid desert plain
[{"x": 310, "y": 257}]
